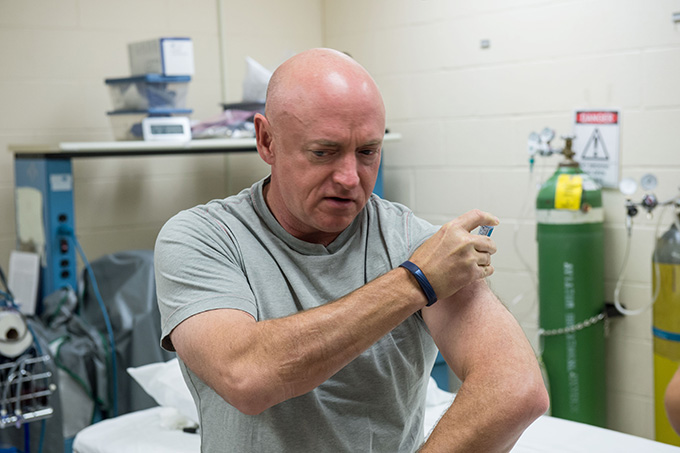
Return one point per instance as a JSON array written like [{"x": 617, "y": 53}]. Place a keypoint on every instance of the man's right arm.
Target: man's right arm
[{"x": 255, "y": 365}]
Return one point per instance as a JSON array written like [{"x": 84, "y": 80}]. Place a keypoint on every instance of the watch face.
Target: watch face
[
  {"x": 628, "y": 186},
  {"x": 648, "y": 182}
]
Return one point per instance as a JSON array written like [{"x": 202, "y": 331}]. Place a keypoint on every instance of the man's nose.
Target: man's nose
[{"x": 347, "y": 174}]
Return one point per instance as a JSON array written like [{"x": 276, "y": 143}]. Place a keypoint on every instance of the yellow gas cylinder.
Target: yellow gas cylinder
[{"x": 666, "y": 324}]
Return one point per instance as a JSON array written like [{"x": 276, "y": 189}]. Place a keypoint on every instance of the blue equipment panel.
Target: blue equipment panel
[
  {"x": 53, "y": 180},
  {"x": 440, "y": 372}
]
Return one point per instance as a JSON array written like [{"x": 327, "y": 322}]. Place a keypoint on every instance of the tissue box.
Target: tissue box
[
  {"x": 149, "y": 92},
  {"x": 164, "y": 56},
  {"x": 127, "y": 124}
]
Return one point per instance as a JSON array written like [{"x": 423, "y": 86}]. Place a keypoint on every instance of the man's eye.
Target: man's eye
[
  {"x": 319, "y": 153},
  {"x": 369, "y": 152}
]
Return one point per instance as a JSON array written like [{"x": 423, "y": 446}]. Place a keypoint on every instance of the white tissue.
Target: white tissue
[
  {"x": 14, "y": 334},
  {"x": 255, "y": 82}
]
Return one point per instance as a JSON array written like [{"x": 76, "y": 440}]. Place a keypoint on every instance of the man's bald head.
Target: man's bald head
[
  {"x": 319, "y": 78},
  {"x": 322, "y": 137}
]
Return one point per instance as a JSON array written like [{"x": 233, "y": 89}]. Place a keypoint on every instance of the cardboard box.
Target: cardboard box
[{"x": 164, "y": 56}]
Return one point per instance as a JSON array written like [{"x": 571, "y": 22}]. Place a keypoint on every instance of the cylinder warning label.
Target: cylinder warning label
[
  {"x": 596, "y": 144},
  {"x": 568, "y": 192}
]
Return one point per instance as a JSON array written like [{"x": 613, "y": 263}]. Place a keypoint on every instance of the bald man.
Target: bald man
[{"x": 307, "y": 312}]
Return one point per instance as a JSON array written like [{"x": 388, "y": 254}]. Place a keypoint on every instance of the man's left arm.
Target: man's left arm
[{"x": 502, "y": 390}]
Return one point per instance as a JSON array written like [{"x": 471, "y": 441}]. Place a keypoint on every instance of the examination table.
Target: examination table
[{"x": 161, "y": 429}]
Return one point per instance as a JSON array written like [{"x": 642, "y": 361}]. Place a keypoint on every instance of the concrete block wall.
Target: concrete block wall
[
  {"x": 54, "y": 57},
  {"x": 465, "y": 112},
  {"x": 270, "y": 32}
]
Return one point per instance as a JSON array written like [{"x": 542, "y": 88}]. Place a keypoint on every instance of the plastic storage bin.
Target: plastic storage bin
[
  {"x": 166, "y": 56},
  {"x": 127, "y": 124},
  {"x": 149, "y": 92}
]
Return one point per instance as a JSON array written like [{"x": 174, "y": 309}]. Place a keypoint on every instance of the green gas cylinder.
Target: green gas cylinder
[{"x": 569, "y": 219}]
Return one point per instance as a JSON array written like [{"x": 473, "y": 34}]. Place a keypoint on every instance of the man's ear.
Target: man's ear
[{"x": 263, "y": 136}]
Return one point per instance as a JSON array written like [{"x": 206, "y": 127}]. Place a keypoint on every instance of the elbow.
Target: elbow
[
  {"x": 246, "y": 399},
  {"x": 533, "y": 399},
  {"x": 245, "y": 393},
  {"x": 540, "y": 400},
  {"x": 247, "y": 406}
]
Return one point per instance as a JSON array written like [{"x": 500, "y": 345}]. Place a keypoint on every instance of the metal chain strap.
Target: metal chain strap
[{"x": 576, "y": 327}]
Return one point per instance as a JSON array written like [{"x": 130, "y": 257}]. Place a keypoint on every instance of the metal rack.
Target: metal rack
[{"x": 25, "y": 388}]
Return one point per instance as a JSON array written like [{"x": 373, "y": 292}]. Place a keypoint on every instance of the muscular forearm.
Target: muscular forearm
[
  {"x": 254, "y": 365},
  {"x": 485, "y": 418},
  {"x": 502, "y": 391}
]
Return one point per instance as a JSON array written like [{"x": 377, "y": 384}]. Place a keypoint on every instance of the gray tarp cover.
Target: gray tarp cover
[
  {"x": 127, "y": 286},
  {"x": 77, "y": 333}
]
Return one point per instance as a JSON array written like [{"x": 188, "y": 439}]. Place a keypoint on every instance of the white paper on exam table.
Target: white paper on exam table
[
  {"x": 148, "y": 431},
  {"x": 143, "y": 431}
]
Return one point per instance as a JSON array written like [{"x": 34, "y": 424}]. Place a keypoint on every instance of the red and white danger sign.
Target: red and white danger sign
[
  {"x": 597, "y": 117},
  {"x": 596, "y": 144}
]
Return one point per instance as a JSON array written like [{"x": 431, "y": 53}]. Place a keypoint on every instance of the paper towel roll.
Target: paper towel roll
[{"x": 15, "y": 337}]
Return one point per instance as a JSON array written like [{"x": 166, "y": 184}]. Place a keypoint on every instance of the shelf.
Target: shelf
[{"x": 139, "y": 148}]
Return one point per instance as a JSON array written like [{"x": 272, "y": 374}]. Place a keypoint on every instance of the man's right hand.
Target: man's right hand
[{"x": 454, "y": 257}]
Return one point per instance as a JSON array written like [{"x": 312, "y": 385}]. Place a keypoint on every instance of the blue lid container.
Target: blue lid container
[{"x": 149, "y": 91}]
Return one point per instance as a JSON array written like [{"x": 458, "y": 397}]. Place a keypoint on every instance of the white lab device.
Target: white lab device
[{"x": 166, "y": 128}]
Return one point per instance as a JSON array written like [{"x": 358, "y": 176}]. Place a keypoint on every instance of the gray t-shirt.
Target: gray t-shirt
[{"x": 232, "y": 253}]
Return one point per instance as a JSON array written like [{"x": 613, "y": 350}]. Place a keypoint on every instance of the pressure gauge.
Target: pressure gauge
[
  {"x": 628, "y": 186},
  {"x": 648, "y": 182},
  {"x": 547, "y": 135},
  {"x": 166, "y": 128}
]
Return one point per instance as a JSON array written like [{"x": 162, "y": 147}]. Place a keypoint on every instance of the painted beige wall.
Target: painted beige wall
[
  {"x": 54, "y": 57},
  {"x": 270, "y": 32},
  {"x": 465, "y": 114}
]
